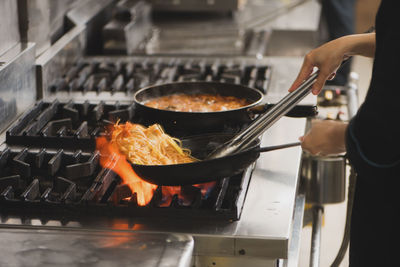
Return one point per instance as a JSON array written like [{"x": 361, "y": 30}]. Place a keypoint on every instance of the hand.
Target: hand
[
  {"x": 326, "y": 137},
  {"x": 327, "y": 58}
]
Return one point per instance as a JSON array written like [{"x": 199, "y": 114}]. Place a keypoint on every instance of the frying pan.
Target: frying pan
[
  {"x": 204, "y": 170},
  {"x": 191, "y": 123}
]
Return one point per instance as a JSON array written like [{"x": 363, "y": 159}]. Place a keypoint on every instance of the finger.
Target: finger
[
  {"x": 314, "y": 151},
  {"x": 304, "y": 73},
  {"x": 319, "y": 83},
  {"x": 310, "y": 150},
  {"x": 305, "y": 144},
  {"x": 301, "y": 138}
]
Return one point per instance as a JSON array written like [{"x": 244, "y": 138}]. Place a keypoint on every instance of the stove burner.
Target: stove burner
[
  {"x": 130, "y": 76},
  {"x": 55, "y": 184}
]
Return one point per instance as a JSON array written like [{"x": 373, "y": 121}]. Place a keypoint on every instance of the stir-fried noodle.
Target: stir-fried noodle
[{"x": 149, "y": 146}]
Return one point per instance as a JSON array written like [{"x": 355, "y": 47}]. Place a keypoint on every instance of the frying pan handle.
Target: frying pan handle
[
  {"x": 299, "y": 111},
  {"x": 270, "y": 148}
]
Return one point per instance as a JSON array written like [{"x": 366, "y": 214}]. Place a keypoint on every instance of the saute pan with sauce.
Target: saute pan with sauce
[{"x": 204, "y": 119}]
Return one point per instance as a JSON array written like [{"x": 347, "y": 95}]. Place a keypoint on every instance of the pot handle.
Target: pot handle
[
  {"x": 271, "y": 148},
  {"x": 298, "y": 111}
]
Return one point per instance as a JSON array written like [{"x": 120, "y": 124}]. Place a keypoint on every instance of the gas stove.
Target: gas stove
[
  {"x": 49, "y": 160},
  {"x": 69, "y": 191},
  {"x": 50, "y": 165}
]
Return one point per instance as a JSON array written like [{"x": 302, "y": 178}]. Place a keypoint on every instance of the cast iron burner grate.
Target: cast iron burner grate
[
  {"x": 66, "y": 125},
  {"x": 71, "y": 186},
  {"x": 110, "y": 76}
]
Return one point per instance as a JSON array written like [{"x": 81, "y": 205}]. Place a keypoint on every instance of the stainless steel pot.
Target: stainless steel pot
[{"x": 324, "y": 178}]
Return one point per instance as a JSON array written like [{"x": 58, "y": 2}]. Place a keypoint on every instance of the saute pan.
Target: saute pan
[
  {"x": 204, "y": 170},
  {"x": 192, "y": 123}
]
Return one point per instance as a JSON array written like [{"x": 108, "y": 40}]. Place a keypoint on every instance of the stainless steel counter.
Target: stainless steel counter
[
  {"x": 9, "y": 32},
  {"x": 278, "y": 14},
  {"x": 17, "y": 82},
  {"x": 247, "y": 31},
  {"x": 43, "y": 248}
]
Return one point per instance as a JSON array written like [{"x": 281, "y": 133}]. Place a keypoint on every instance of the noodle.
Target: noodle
[{"x": 149, "y": 146}]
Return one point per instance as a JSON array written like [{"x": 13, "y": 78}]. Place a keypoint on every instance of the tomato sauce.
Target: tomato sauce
[{"x": 197, "y": 103}]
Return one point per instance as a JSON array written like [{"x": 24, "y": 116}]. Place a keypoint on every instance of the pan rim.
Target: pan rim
[{"x": 260, "y": 99}]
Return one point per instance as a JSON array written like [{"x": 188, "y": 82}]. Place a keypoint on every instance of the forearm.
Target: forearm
[{"x": 359, "y": 44}]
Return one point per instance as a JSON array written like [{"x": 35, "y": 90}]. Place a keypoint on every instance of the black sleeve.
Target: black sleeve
[{"x": 373, "y": 136}]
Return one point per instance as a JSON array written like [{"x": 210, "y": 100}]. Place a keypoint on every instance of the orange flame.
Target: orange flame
[
  {"x": 204, "y": 188},
  {"x": 112, "y": 159},
  {"x": 169, "y": 191}
]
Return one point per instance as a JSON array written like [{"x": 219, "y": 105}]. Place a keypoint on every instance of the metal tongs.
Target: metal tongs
[{"x": 243, "y": 139}]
